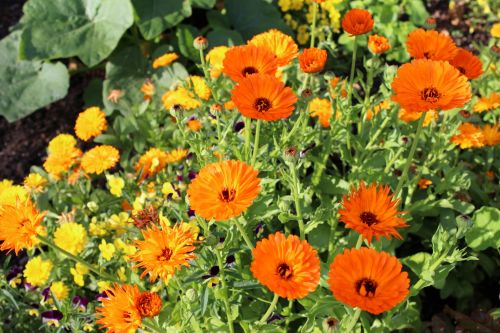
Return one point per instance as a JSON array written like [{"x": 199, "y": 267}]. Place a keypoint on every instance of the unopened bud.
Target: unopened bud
[{"x": 200, "y": 43}]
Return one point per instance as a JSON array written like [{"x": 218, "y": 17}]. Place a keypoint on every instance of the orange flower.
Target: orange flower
[
  {"x": 99, "y": 159},
  {"x": 357, "y": 22},
  {"x": 372, "y": 211},
  {"x": 470, "y": 136},
  {"x": 287, "y": 266},
  {"x": 424, "y": 183},
  {"x": 468, "y": 64},
  {"x": 148, "y": 304},
  {"x": 242, "y": 61},
  {"x": 368, "y": 280},
  {"x": 223, "y": 190},
  {"x": 164, "y": 251},
  {"x": 176, "y": 155},
  {"x": 424, "y": 85},
  {"x": 263, "y": 97},
  {"x": 119, "y": 312},
  {"x": 312, "y": 60},
  {"x": 378, "y": 44},
  {"x": 282, "y": 45},
  {"x": 334, "y": 83},
  {"x": 19, "y": 225},
  {"x": 194, "y": 125},
  {"x": 165, "y": 60},
  {"x": 491, "y": 135},
  {"x": 90, "y": 123},
  {"x": 430, "y": 116},
  {"x": 430, "y": 44},
  {"x": 487, "y": 103},
  {"x": 151, "y": 162},
  {"x": 148, "y": 89},
  {"x": 322, "y": 109},
  {"x": 63, "y": 154},
  {"x": 229, "y": 105}
]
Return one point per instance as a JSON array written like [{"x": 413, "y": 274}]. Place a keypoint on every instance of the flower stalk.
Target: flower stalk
[{"x": 270, "y": 309}]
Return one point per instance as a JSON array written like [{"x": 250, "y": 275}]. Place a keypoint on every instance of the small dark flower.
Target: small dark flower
[
  {"x": 13, "y": 272},
  {"x": 101, "y": 296},
  {"x": 405, "y": 140},
  {"x": 180, "y": 178},
  {"x": 45, "y": 294},
  {"x": 52, "y": 317},
  {"x": 397, "y": 172},
  {"x": 330, "y": 324},
  {"x": 306, "y": 93},
  {"x": 238, "y": 126},
  {"x": 259, "y": 229},
  {"x": 80, "y": 302},
  {"x": 230, "y": 260},
  {"x": 192, "y": 175},
  {"x": 214, "y": 270},
  {"x": 191, "y": 213}
]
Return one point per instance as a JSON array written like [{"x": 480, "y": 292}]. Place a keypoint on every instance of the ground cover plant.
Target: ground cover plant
[{"x": 319, "y": 171}]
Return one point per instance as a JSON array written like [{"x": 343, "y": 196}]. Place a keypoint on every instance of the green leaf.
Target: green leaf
[
  {"x": 27, "y": 85},
  {"x": 154, "y": 16},
  {"x": 253, "y": 17},
  {"x": 185, "y": 36},
  {"x": 416, "y": 10},
  {"x": 485, "y": 230},
  {"x": 221, "y": 36},
  {"x": 64, "y": 28},
  {"x": 204, "y": 4}
]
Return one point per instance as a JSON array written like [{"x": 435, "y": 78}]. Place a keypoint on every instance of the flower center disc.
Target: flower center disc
[
  {"x": 262, "y": 104},
  {"x": 366, "y": 287},
  {"x": 249, "y": 71},
  {"x": 284, "y": 271},
  {"x": 227, "y": 195},
  {"x": 430, "y": 95},
  {"x": 165, "y": 255},
  {"x": 368, "y": 218}
]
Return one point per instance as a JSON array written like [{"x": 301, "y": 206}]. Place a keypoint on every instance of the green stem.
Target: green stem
[
  {"x": 270, "y": 309},
  {"x": 105, "y": 276},
  {"x": 225, "y": 298},
  {"x": 289, "y": 314},
  {"x": 243, "y": 234},
  {"x": 359, "y": 242},
  {"x": 351, "y": 77},
  {"x": 256, "y": 142},
  {"x": 353, "y": 321},
  {"x": 313, "y": 26},
  {"x": 296, "y": 199},
  {"x": 331, "y": 239},
  {"x": 204, "y": 66},
  {"x": 248, "y": 137}
]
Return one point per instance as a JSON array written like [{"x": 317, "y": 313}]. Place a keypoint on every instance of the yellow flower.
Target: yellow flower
[
  {"x": 107, "y": 250},
  {"x": 126, "y": 249},
  {"x": 286, "y": 5},
  {"x": 59, "y": 290},
  {"x": 10, "y": 195},
  {"x": 97, "y": 228},
  {"x": 302, "y": 34},
  {"x": 79, "y": 273},
  {"x": 90, "y": 123},
  {"x": 118, "y": 223},
  {"x": 200, "y": 87},
  {"x": 181, "y": 97},
  {"x": 216, "y": 58},
  {"x": 115, "y": 185},
  {"x": 71, "y": 236},
  {"x": 424, "y": 183},
  {"x": 103, "y": 286},
  {"x": 495, "y": 30},
  {"x": 121, "y": 274},
  {"x": 88, "y": 327},
  {"x": 100, "y": 158},
  {"x": 35, "y": 182},
  {"x": 62, "y": 144},
  {"x": 486, "y": 103},
  {"x": 176, "y": 155},
  {"x": 37, "y": 271},
  {"x": 165, "y": 60},
  {"x": 168, "y": 190},
  {"x": 5, "y": 184},
  {"x": 33, "y": 312}
]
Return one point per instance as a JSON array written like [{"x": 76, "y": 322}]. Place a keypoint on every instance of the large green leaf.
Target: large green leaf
[
  {"x": 221, "y": 36},
  {"x": 205, "y": 4},
  {"x": 253, "y": 17},
  {"x": 27, "y": 85},
  {"x": 154, "y": 16},
  {"x": 485, "y": 230},
  {"x": 185, "y": 36},
  {"x": 89, "y": 29}
]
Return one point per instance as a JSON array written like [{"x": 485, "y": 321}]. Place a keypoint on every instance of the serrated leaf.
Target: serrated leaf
[
  {"x": 27, "y": 85},
  {"x": 64, "y": 28},
  {"x": 485, "y": 230}
]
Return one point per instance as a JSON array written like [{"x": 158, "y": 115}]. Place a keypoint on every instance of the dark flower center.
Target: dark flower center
[
  {"x": 461, "y": 70},
  {"x": 165, "y": 255},
  {"x": 262, "y": 104},
  {"x": 430, "y": 95},
  {"x": 331, "y": 322},
  {"x": 366, "y": 287},
  {"x": 369, "y": 218},
  {"x": 427, "y": 55},
  {"x": 284, "y": 271},
  {"x": 249, "y": 70},
  {"x": 227, "y": 195}
]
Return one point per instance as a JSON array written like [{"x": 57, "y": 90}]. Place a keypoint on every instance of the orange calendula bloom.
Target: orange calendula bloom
[
  {"x": 19, "y": 225},
  {"x": 335, "y": 82},
  {"x": 63, "y": 154},
  {"x": 99, "y": 159},
  {"x": 467, "y": 63},
  {"x": 119, "y": 312},
  {"x": 371, "y": 281},
  {"x": 90, "y": 123},
  {"x": 165, "y": 60},
  {"x": 177, "y": 155},
  {"x": 357, "y": 22},
  {"x": 194, "y": 125},
  {"x": 151, "y": 162},
  {"x": 148, "y": 304},
  {"x": 424, "y": 85},
  {"x": 487, "y": 103},
  {"x": 470, "y": 136},
  {"x": 313, "y": 60},
  {"x": 282, "y": 45},
  {"x": 491, "y": 135},
  {"x": 215, "y": 58},
  {"x": 424, "y": 183},
  {"x": 164, "y": 251},
  {"x": 263, "y": 97},
  {"x": 242, "y": 61},
  {"x": 322, "y": 109},
  {"x": 372, "y": 211},
  {"x": 378, "y": 44},
  {"x": 223, "y": 190},
  {"x": 148, "y": 89},
  {"x": 288, "y": 266},
  {"x": 430, "y": 44},
  {"x": 430, "y": 116}
]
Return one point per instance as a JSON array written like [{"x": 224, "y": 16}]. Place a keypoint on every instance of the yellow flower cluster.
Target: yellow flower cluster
[
  {"x": 37, "y": 271},
  {"x": 72, "y": 237}
]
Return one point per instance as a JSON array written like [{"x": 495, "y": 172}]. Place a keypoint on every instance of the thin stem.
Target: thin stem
[
  {"x": 313, "y": 26},
  {"x": 106, "y": 276},
  {"x": 359, "y": 242},
  {"x": 225, "y": 298},
  {"x": 289, "y": 314},
  {"x": 256, "y": 142},
  {"x": 353, "y": 321},
  {"x": 331, "y": 239},
  {"x": 270, "y": 309},
  {"x": 296, "y": 199},
  {"x": 410, "y": 156},
  {"x": 204, "y": 66},
  {"x": 243, "y": 233},
  {"x": 248, "y": 137}
]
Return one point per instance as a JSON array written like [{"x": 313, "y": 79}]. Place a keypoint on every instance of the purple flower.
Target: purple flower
[
  {"x": 191, "y": 213},
  {"x": 13, "y": 273},
  {"x": 46, "y": 294},
  {"x": 80, "y": 302},
  {"x": 180, "y": 178},
  {"x": 52, "y": 317},
  {"x": 192, "y": 175},
  {"x": 101, "y": 296},
  {"x": 238, "y": 126}
]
